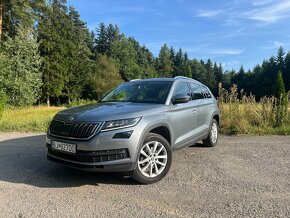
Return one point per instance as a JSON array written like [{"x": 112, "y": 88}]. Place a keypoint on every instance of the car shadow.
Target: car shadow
[
  {"x": 23, "y": 160},
  {"x": 198, "y": 145}
]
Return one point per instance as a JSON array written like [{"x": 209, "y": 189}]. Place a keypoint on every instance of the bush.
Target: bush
[
  {"x": 80, "y": 102},
  {"x": 2, "y": 103},
  {"x": 242, "y": 114}
]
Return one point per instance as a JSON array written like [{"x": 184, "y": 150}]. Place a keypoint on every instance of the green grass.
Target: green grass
[
  {"x": 32, "y": 119},
  {"x": 242, "y": 114},
  {"x": 236, "y": 119}
]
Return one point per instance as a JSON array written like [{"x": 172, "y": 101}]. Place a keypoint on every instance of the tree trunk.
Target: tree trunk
[
  {"x": 47, "y": 101},
  {"x": 1, "y": 17}
]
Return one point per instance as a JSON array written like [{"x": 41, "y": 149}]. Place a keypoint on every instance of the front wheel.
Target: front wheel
[
  {"x": 154, "y": 159},
  {"x": 212, "y": 138}
]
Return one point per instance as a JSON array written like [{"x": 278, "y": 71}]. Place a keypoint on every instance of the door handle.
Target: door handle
[{"x": 193, "y": 111}]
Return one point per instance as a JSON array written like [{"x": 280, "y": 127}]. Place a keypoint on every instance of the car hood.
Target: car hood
[{"x": 108, "y": 111}]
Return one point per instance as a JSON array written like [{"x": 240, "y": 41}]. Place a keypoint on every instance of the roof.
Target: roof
[{"x": 166, "y": 79}]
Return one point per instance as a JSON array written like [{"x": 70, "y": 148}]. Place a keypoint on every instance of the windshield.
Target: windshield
[{"x": 144, "y": 92}]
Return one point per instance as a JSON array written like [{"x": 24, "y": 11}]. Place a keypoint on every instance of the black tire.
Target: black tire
[
  {"x": 138, "y": 175},
  {"x": 209, "y": 141}
]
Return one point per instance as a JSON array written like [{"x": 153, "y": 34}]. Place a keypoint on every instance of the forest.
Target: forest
[{"x": 49, "y": 56}]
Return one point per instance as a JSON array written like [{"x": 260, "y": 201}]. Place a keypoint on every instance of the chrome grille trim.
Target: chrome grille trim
[{"x": 75, "y": 130}]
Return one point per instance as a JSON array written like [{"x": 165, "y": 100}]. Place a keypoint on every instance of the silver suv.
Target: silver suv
[{"x": 135, "y": 128}]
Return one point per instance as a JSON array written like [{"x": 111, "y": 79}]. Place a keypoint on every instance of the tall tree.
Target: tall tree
[
  {"x": 280, "y": 87},
  {"x": 280, "y": 59},
  {"x": 164, "y": 62},
  {"x": 144, "y": 59},
  {"x": 102, "y": 39},
  {"x": 20, "y": 76},
  {"x": 198, "y": 71},
  {"x": 178, "y": 63},
  {"x": 210, "y": 78},
  {"x": 1, "y": 18},
  {"x": 79, "y": 60},
  {"x": 19, "y": 12},
  {"x": 56, "y": 46},
  {"x": 112, "y": 34},
  {"x": 105, "y": 69},
  {"x": 287, "y": 72},
  {"x": 124, "y": 52}
]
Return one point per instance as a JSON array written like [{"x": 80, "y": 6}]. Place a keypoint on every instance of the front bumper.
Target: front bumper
[{"x": 101, "y": 153}]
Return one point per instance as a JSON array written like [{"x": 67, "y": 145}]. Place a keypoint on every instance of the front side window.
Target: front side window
[
  {"x": 182, "y": 89},
  {"x": 196, "y": 91},
  {"x": 144, "y": 92}
]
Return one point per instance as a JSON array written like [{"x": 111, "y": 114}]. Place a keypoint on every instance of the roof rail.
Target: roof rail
[
  {"x": 182, "y": 77},
  {"x": 132, "y": 80}
]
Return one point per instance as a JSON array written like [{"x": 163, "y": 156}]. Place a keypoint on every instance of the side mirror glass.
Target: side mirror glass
[{"x": 179, "y": 99}]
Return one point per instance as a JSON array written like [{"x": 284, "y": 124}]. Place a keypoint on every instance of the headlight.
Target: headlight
[{"x": 118, "y": 124}]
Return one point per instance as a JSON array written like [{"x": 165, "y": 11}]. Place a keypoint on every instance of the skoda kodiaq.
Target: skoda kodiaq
[{"x": 135, "y": 127}]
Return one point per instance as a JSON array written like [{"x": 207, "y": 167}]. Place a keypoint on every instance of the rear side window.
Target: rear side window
[
  {"x": 182, "y": 88},
  {"x": 196, "y": 92},
  {"x": 206, "y": 92}
]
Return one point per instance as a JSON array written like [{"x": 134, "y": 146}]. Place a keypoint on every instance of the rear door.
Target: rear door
[
  {"x": 208, "y": 107},
  {"x": 198, "y": 100}
]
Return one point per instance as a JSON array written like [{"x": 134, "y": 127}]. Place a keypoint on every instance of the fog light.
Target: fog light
[{"x": 123, "y": 135}]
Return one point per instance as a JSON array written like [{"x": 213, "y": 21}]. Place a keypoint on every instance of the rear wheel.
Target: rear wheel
[
  {"x": 212, "y": 138},
  {"x": 154, "y": 159}
]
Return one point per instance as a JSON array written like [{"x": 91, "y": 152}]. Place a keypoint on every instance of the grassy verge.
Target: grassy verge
[
  {"x": 242, "y": 114},
  {"x": 33, "y": 119},
  {"x": 243, "y": 118}
]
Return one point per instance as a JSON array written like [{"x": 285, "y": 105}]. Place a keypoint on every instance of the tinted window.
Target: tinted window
[
  {"x": 182, "y": 88},
  {"x": 196, "y": 91},
  {"x": 206, "y": 92},
  {"x": 143, "y": 92}
]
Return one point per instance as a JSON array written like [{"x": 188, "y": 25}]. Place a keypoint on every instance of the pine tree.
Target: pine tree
[
  {"x": 210, "y": 78},
  {"x": 79, "y": 61},
  {"x": 18, "y": 13},
  {"x": 280, "y": 106},
  {"x": 280, "y": 62},
  {"x": 112, "y": 34},
  {"x": 280, "y": 87},
  {"x": 1, "y": 18},
  {"x": 56, "y": 47},
  {"x": 178, "y": 63},
  {"x": 19, "y": 68},
  {"x": 165, "y": 64},
  {"x": 124, "y": 53},
  {"x": 287, "y": 72},
  {"x": 102, "y": 40},
  {"x": 198, "y": 71},
  {"x": 105, "y": 69}
]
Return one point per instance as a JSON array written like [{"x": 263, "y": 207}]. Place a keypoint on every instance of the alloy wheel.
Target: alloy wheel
[{"x": 152, "y": 159}]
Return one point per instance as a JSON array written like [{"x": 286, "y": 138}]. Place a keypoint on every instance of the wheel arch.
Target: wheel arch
[{"x": 154, "y": 129}]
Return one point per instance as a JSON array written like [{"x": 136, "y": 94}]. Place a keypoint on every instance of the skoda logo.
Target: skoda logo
[{"x": 70, "y": 119}]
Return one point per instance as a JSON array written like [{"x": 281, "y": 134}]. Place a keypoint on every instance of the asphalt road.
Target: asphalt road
[{"x": 244, "y": 176}]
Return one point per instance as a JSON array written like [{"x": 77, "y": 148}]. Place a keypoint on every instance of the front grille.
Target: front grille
[
  {"x": 92, "y": 156},
  {"x": 73, "y": 130}
]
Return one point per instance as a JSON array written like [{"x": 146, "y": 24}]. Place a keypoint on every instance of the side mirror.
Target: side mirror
[{"x": 179, "y": 99}]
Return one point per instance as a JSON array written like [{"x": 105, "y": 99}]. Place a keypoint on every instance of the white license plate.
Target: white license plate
[{"x": 61, "y": 146}]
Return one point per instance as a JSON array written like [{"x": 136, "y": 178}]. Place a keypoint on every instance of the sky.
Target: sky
[{"x": 233, "y": 33}]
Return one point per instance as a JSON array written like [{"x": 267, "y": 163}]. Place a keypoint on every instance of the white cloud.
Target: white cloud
[
  {"x": 209, "y": 13},
  {"x": 209, "y": 51},
  {"x": 270, "y": 13},
  {"x": 227, "y": 51},
  {"x": 262, "y": 2},
  {"x": 276, "y": 43}
]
